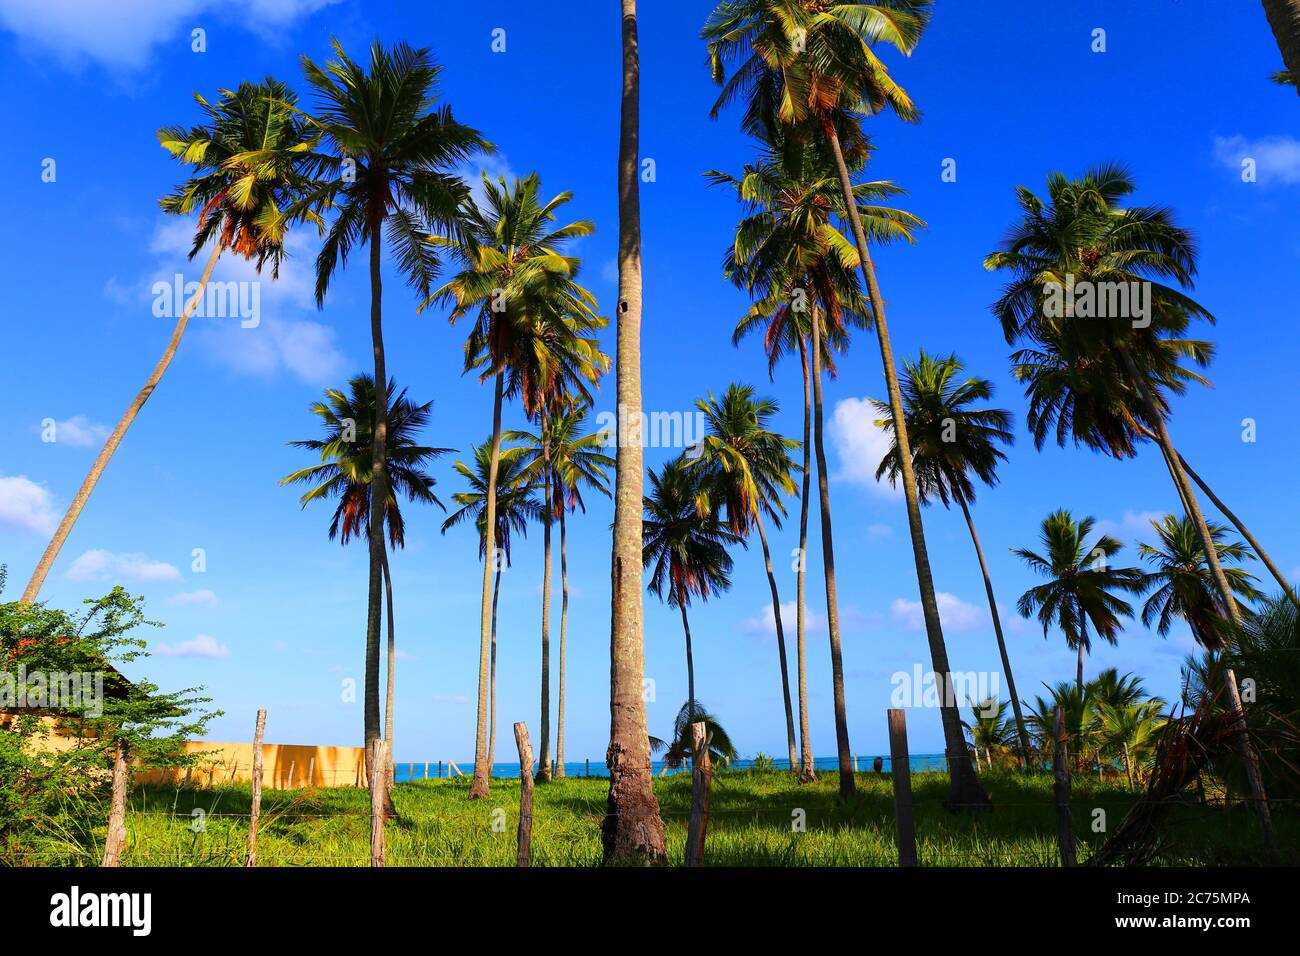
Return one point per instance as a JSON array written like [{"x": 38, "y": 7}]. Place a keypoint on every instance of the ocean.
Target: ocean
[{"x": 406, "y": 771}]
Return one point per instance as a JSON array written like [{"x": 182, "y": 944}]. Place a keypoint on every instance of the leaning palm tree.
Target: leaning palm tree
[
  {"x": 952, "y": 441},
  {"x": 346, "y": 472},
  {"x": 746, "y": 471},
  {"x": 250, "y": 160},
  {"x": 394, "y": 149},
  {"x": 685, "y": 547},
  {"x": 812, "y": 68},
  {"x": 531, "y": 336},
  {"x": 632, "y": 830},
  {"x": 516, "y": 505},
  {"x": 1082, "y": 588},
  {"x": 1284, "y": 18},
  {"x": 565, "y": 461}
]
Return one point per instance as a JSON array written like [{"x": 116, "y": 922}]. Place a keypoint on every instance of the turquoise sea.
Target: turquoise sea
[{"x": 406, "y": 771}]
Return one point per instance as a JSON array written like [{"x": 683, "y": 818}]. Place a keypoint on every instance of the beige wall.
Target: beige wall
[{"x": 284, "y": 766}]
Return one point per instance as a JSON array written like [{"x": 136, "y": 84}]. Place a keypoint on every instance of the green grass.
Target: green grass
[{"x": 750, "y": 824}]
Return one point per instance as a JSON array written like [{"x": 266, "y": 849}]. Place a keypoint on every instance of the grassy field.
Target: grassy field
[{"x": 751, "y": 824}]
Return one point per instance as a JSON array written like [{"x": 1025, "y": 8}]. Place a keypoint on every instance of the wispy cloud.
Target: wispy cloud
[
  {"x": 449, "y": 699},
  {"x": 201, "y": 645},
  {"x": 860, "y": 445},
  {"x": 26, "y": 505},
  {"x": 1276, "y": 158},
  {"x": 763, "y": 624},
  {"x": 77, "y": 431},
  {"x": 955, "y": 614},
  {"x": 200, "y": 598},
  {"x": 100, "y": 565}
]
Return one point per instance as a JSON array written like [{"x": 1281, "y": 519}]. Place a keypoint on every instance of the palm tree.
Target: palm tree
[
  {"x": 515, "y": 507},
  {"x": 950, "y": 442},
  {"x": 1081, "y": 586},
  {"x": 530, "y": 338},
  {"x": 989, "y": 728},
  {"x": 747, "y": 470},
  {"x": 1104, "y": 381},
  {"x": 1284, "y": 18},
  {"x": 565, "y": 461},
  {"x": 813, "y": 68},
  {"x": 395, "y": 148},
  {"x": 250, "y": 162},
  {"x": 1077, "y": 719},
  {"x": 632, "y": 831},
  {"x": 346, "y": 472},
  {"x": 685, "y": 546},
  {"x": 1130, "y": 729},
  {"x": 681, "y": 747}
]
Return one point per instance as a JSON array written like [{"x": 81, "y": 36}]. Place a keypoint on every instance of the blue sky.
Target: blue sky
[{"x": 276, "y": 620}]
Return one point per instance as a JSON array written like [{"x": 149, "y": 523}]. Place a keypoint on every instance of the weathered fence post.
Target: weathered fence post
[
  {"x": 377, "y": 758},
  {"x": 439, "y": 769},
  {"x": 426, "y": 770},
  {"x": 292, "y": 764},
  {"x": 699, "y": 824},
  {"x": 311, "y": 771},
  {"x": 256, "y": 812},
  {"x": 189, "y": 777},
  {"x": 1061, "y": 773},
  {"x": 901, "y": 769},
  {"x": 116, "y": 838},
  {"x": 588, "y": 763},
  {"x": 524, "y": 855}
]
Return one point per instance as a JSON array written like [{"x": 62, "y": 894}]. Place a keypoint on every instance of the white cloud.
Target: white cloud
[
  {"x": 201, "y": 645},
  {"x": 122, "y": 34},
  {"x": 77, "y": 431},
  {"x": 449, "y": 699},
  {"x": 954, "y": 614},
  {"x": 200, "y": 598},
  {"x": 495, "y": 165},
  {"x": 1277, "y": 158},
  {"x": 763, "y": 623},
  {"x": 100, "y": 565},
  {"x": 27, "y": 506},
  {"x": 1134, "y": 526},
  {"x": 860, "y": 445}
]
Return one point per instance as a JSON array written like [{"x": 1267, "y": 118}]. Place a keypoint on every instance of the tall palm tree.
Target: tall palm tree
[
  {"x": 633, "y": 830},
  {"x": 394, "y": 149},
  {"x": 800, "y": 268},
  {"x": 530, "y": 337},
  {"x": 812, "y": 67},
  {"x": 685, "y": 546},
  {"x": 1104, "y": 380},
  {"x": 346, "y": 473},
  {"x": 952, "y": 441},
  {"x": 565, "y": 461},
  {"x": 747, "y": 470},
  {"x": 516, "y": 505},
  {"x": 250, "y": 164},
  {"x": 1284, "y": 18},
  {"x": 1082, "y": 586}
]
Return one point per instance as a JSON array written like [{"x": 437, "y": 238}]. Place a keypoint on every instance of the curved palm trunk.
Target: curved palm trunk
[
  {"x": 807, "y": 772},
  {"x": 479, "y": 786},
  {"x": 389, "y": 777},
  {"x": 966, "y": 791},
  {"x": 690, "y": 660},
  {"x": 544, "y": 736},
  {"x": 492, "y": 677},
  {"x": 1021, "y": 732},
  {"x": 632, "y": 830},
  {"x": 1228, "y": 600},
  {"x": 845, "y": 756},
  {"x": 115, "y": 437},
  {"x": 780, "y": 646},
  {"x": 564, "y": 633},
  {"x": 1284, "y": 18},
  {"x": 378, "y": 494}
]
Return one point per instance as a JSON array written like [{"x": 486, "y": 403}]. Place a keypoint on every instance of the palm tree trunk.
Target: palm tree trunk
[
  {"x": 1078, "y": 675},
  {"x": 389, "y": 778},
  {"x": 1228, "y": 600},
  {"x": 378, "y": 496},
  {"x": 1128, "y": 768},
  {"x": 845, "y": 755},
  {"x": 479, "y": 786},
  {"x": 115, "y": 437},
  {"x": 492, "y": 677},
  {"x": 807, "y": 772},
  {"x": 780, "y": 646},
  {"x": 564, "y": 633},
  {"x": 544, "y": 736},
  {"x": 690, "y": 660},
  {"x": 966, "y": 791},
  {"x": 1021, "y": 732},
  {"x": 1284, "y": 18},
  {"x": 632, "y": 830}
]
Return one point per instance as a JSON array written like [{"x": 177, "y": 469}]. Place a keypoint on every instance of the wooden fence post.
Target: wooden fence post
[
  {"x": 377, "y": 759},
  {"x": 256, "y": 812},
  {"x": 900, "y": 765},
  {"x": 426, "y": 770},
  {"x": 1061, "y": 773},
  {"x": 588, "y": 763},
  {"x": 524, "y": 855},
  {"x": 699, "y": 824},
  {"x": 116, "y": 839}
]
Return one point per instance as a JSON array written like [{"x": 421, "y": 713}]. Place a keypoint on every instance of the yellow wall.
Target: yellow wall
[{"x": 284, "y": 766}]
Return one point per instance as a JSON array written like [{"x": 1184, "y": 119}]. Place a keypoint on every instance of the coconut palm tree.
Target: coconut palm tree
[
  {"x": 685, "y": 546},
  {"x": 681, "y": 747},
  {"x": 564, "y": 461},
  {"x": 989, "y": 728},
  {"x": 530, "y": 337},
  {"x": 346, "y": 473},
  {"x": 1077, "y": 719},
  {"x": 1082, "y": 586},
  {"x": 516, "y": 505},
  {"x": 746, "y": 471},
  {"x": 1131, "y": 730},
  {"x": 1102, "y": 375},
  {"x": 813, "y": 68},
  {"x": 633, "y": 830},
  {"x": 250, "y": 160},
  {"x": 952, "y": 441},
  {"x": 394, "y": 148},
  {"x": 1284, "y": 18}
]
